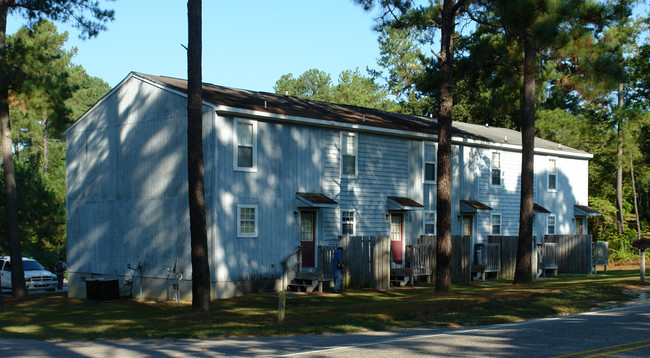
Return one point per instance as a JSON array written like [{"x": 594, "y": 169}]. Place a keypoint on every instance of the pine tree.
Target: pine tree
[
  {"x": 198, "y": 221},
  {"x": 33, "y": 9}
]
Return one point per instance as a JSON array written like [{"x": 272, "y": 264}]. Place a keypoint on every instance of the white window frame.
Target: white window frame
[
  {"x": 255, "y": 221},
  {"x": 493, "y": 222},
  {"x": 353, "y": 221},
  {"x": 425, "y": 162},
  {"x": 236, "y": 166},
  {"x": 499, "y": 168},
  {"x": 425, "y": 222},
  {"x": 551, "y": 172},
  {"x": 549, "y": 225},
  {"x": 356, "y": 154}
]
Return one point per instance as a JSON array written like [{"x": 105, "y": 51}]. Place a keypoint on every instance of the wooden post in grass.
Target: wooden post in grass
[
  {"x": 281, "y": 306},
  {"x": 642, "y": 252},
  {"x": 642, "y": 245}
]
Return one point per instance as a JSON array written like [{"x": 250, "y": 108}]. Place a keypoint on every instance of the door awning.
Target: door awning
[
  {"x": 472, "y": 206},
  {"x": 540, "y": 209},
  {"x": 315, "y": 200},
  {"x": 584, "y": 210},
  {"x": 401, "y": 203}
]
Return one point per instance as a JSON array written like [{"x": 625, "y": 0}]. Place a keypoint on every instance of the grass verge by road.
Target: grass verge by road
[{"x": 54, "y": 316}]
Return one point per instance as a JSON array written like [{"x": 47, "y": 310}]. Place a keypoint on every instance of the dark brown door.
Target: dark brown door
[
  {"x": 396, "y": 236},
  {"x": 308, "y": 238}
]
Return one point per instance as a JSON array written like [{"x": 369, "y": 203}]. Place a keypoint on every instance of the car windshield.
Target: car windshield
[{"x": 31, "y": 266}]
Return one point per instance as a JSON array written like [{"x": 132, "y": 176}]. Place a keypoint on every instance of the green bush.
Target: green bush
[{"x": 620, "y": 246}]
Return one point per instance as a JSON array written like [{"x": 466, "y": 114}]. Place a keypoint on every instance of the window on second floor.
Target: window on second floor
[
  {"x": 550, "y": 225},
  {"x": 429, "y": 223},
  {"x": 429, "y": 163},
  {"x": 349, "y": 154},
  {"x": 495, "y": 224},
  {"x": 495, "y": 179},
  {"x": 552, "y": 174},
  {"x": 245, "y": 145},
  {"x": 347, "y": 222}
]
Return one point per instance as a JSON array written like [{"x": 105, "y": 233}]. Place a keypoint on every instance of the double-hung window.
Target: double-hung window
[
  {"x": 550, "y": 225},
  {"x": 247, "y": 220},
  {"x": 245, "y": 158},
  {"x": 495, "y": 224},
  {"x": 495, "y": 179},
  {"x": 349, "y": 146},
  {"x": 429, "y": 223},
  {"x": 347, "y": 222},
  {"x": 552, "y": 174},
  {"x": 429, "y": 163}
]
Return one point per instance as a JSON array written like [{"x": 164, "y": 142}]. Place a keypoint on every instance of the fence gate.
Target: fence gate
[{"x": 367, "y": 261}]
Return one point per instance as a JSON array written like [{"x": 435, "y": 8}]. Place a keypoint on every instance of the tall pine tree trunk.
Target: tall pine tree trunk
[
  {"x": 619, "y": 164},
  {"x": 46, "y": 146},
  {"x": 443, "y": 204},
  {"x": 523, "y": 270},
  {"x": 198, "y": 222},
  {"x": 636, "y": 205},
  {"x": 19, "y": 289}
]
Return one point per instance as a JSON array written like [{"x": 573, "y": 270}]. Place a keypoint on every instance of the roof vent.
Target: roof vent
[
  {"x": 286, "y": 93},
  {"x": 505, "y": 138},
  {"x": 486, "y": 125},
  {"x": 559, "y": 146}
]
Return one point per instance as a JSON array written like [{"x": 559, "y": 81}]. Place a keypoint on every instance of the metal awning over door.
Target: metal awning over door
[
  {"x": 472, "y": 206},
  {"x": 403, "y": 204},
  {"x": 314, "y": 200},
  {"x": 584, "y": 210}
]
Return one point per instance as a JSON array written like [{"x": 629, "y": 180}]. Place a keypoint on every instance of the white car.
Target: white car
[{"x": 36, "y": 277}]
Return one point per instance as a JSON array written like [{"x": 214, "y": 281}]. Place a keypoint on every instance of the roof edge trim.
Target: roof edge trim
[{"x": 227, "y": 110}]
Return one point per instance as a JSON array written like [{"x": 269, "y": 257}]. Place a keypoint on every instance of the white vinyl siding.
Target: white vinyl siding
[
  {"x": 429, "y": 164},
  {"x": 245, "y": 145},
  {"x": 247, "y": 220},
  {"x": 349, "y": 149}
]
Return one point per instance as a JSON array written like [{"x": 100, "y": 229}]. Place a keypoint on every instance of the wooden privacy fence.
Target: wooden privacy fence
[
  {"x": 573, "y": 253},
  {"x": 570, "y": 253},
  {"x": 367, "y": 260},
  {"x": 326, "y": 256},
  {"x": 508, "y": 254},
  {"x": 460, "y": 257}
]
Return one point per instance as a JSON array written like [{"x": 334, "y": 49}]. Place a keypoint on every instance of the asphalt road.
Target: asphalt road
[{"x": 620, "y": 332}]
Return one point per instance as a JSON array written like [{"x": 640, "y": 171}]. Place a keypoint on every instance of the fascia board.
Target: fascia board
[
  {"x": 227, "y": 110},
  {"x": 518, "y": 148}
]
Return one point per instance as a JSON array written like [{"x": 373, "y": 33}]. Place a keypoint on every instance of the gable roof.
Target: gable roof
[{"x": 274, "y": 106}]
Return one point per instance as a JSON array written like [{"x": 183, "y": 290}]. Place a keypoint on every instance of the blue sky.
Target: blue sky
[{"x": 246, "y": 43}]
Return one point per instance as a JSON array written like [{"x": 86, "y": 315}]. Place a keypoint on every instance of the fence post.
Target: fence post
[{"x": 282, "y": 306}]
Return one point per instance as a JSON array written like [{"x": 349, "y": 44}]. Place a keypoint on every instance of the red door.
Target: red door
[
  {"x": 396, "y": 236},
  {"x": 307, "y": 238}
]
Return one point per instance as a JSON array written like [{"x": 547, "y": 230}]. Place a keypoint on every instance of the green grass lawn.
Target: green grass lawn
[{"x": 54, "y": 316}]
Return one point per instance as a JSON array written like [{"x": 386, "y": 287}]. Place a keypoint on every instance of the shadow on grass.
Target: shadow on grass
[{"x": 54, "y": 316}]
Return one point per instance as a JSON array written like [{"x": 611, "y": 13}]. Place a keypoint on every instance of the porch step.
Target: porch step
[{"x": 303, "y": 285}]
